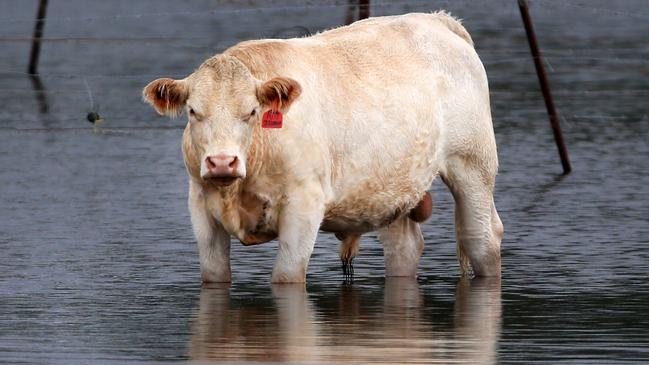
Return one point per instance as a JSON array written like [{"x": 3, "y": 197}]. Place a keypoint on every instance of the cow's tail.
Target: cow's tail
[{"x": 454, "y": 25}]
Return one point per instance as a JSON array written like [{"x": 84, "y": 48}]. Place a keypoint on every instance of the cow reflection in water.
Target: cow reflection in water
[{"x": 350, "y": 325}]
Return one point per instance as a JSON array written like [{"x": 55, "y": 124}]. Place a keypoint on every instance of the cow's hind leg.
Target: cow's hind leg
[
  {"x": 402, "y": 247},
  {"x": 477, "y": 225}
]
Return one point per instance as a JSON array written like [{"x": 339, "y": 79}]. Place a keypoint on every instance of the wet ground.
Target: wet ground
[{"x": 97, "y": 259}]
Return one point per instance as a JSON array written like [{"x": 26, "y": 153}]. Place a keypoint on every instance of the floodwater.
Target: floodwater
[{"x": 97, "y": 259}]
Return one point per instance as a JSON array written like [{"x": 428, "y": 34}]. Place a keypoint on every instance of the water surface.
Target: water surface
[{"x": 98, "y": 262}]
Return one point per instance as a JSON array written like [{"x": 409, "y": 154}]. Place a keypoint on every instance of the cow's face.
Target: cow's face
[{"x": 224, "y": 104}]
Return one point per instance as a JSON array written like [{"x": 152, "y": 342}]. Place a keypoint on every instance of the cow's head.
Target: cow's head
[{"x": 224, "y": 104}]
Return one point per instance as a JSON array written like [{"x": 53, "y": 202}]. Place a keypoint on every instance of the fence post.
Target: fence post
[
  {"x": 363, "y": 9},
  {"x": 36, "y": 39},
  {"x": 545, "y": 86}
]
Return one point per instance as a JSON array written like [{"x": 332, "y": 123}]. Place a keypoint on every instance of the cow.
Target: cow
[{"x": 343, "y": 131}]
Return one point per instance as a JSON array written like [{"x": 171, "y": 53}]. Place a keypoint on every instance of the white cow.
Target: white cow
[{"x": 372, "y": 113}]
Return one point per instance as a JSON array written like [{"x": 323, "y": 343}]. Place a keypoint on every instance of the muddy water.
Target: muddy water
[{"x": 98, "y": 263}]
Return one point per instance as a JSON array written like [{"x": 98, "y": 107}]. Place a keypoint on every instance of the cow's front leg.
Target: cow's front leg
[
  {"x": 213, "y": 240},
  {"x": 299, "y": 223}
]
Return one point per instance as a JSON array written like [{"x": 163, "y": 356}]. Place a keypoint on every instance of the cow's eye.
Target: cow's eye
[
  {"x": 196, "y": 116},
  {"x": 252, "y": 114}
]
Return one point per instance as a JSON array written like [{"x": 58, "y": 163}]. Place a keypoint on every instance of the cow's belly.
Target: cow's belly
[
  {"x": 386, "y": 175},
  {"x": 376, "y": 202}
]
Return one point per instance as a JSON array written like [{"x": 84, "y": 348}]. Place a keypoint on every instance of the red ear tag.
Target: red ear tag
[{"x": 272, "y": 119}]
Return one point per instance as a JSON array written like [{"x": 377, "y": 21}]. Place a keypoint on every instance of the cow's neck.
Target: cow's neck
[{"x": 245, "y": 210}]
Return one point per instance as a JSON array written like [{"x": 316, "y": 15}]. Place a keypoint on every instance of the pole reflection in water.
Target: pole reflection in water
[
  {"x": 40, "y": 91},
  {"x": 351, "y": 324}
]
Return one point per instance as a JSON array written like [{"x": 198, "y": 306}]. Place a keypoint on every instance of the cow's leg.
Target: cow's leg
[
  {"x": 402, "y": 247},
  {"x": 213, "y": 241},
  {"x": 348, "y": 250},
  {"x": 477, "y": 225},
  {"x": 299, "y": 223}
]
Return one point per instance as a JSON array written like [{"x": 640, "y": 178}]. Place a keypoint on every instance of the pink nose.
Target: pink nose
[{"x": 221, "y": 166}]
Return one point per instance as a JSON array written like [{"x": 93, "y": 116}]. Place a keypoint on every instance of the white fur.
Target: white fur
[{"x": 386, "y": 105}]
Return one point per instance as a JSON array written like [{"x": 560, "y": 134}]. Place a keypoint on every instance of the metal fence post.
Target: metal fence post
[
  {"x": 545, "y": 86},
  {"x": 36, "y": 39},
  {"x": 363, "y": 9}
]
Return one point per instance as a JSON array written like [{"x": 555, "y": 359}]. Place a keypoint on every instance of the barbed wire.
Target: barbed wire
[
  {"x": 87, "y": 127},
  {"x": 308, "y": 6},
  {"x": 604, "y": 10},
  {"x": 103, "y": 39},
  {"x": 579, "y": 55},
  {"x": 302, "y": 6},
  {"x": 76, "y": 76}
]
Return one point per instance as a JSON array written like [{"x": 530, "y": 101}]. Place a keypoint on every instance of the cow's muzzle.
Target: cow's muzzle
[{"x": 222, "y": 169}]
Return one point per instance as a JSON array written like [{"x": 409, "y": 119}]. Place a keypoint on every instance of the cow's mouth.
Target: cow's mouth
[{"x": 221, "y": 180}]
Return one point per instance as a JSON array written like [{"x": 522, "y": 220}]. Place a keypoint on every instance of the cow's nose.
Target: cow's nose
[
  {"x": 221, "y": 165},
  {"x": 234, "y": 162}
]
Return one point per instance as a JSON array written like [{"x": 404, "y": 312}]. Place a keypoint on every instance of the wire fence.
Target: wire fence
[
  {"x": 501, "y": 58},
  {"x": 169, "y": 41},
  {"x": 316, "y": 5}
]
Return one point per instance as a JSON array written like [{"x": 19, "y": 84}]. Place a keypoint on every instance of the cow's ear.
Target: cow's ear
[
  {"x": 167, "y": 96},
  {"x": 279, "y": 92}
]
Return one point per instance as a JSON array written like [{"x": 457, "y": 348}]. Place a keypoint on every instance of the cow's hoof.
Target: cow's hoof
[
  {"x": 289, "y": 277},
  {"x": 219, "y": 276}
]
